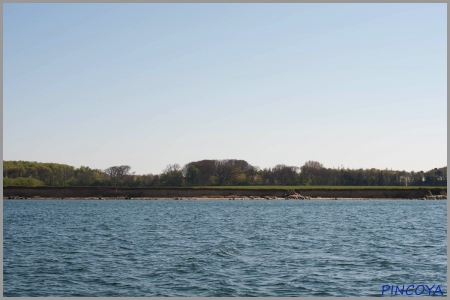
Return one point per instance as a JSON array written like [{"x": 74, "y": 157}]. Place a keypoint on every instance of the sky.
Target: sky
[{"x": 147, "y": 85}]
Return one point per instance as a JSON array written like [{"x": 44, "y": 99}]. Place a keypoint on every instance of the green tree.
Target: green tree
[
  {"x": 192, "y": 175},
  {"x": 172, "y": 176}
]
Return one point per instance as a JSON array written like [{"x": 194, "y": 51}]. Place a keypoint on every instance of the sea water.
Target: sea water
[{"x": 221, "y": 248}]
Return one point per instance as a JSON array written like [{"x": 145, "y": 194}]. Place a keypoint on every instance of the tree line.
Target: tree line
[{"x": 227, "y": 172}]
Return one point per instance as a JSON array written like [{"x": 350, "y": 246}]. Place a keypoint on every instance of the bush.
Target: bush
[{"x": 21, "y": 181}]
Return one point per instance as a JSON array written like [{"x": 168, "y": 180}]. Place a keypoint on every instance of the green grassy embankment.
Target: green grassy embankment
[{"x": 317, "y": 187}]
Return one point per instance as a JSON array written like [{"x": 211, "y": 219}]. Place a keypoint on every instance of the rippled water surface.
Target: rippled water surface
[{"x": 221, "y": 248}]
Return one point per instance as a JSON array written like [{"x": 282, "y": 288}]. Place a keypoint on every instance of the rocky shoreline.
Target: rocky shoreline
[
  {"x": 439, "y": 197},
  {"x": 220, "y": 193}
]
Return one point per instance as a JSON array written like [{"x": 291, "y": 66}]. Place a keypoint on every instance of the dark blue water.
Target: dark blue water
[{"x": 221, "y": 248}]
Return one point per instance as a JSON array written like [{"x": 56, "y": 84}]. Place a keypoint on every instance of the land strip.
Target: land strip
[{"x": 224, "y": 193}]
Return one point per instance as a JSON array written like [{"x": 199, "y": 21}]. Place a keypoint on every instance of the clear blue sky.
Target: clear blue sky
[{"x": 147, "y": 85}]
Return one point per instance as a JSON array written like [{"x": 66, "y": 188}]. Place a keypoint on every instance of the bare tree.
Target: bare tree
[
  {"x": 117, "y": 172},
  {"x": 313, "y": 164}
]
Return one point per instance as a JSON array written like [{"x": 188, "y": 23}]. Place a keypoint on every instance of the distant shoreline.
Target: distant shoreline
[
  {"x": 440, "y": 197},
  {"x": 221, "y": 193}
]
